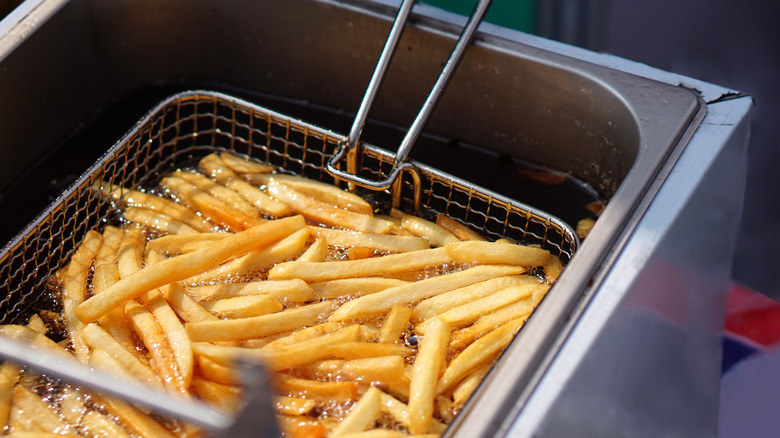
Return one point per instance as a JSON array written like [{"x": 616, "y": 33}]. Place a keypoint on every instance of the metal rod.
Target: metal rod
[
  {"x": 74, "y": 372},
  {"x": 379, "y": 72}
]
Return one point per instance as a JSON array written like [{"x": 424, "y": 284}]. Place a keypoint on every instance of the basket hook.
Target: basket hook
[{"x": 348, "y": 148}]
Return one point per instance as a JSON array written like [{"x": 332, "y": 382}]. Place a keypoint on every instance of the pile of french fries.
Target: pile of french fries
[{"x": 370, "y": 325}]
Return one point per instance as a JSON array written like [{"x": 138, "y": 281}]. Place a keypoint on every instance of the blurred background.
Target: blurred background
[{"x": 731, "y": 44}]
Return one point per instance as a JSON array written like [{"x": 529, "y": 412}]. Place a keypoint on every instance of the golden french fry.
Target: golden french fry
[
  {"x": 215, "y": 166},
  {"x": 177, "y": 338},
  {"x": 427, "y": 368},
  {"x": 497, "y": 253},
  {"x": 135, "y": 198},
  {"x": 362, "y": 415},
  {"x": 74, "y": 287},
  {"x": 176, "y": 243},
  {"x": 217, "y": 372},
  {"x": 353, "y": 287},
  {"x": 225, "y": 397},
  {"x": 184, "y": 266},
  {"x": 100, "y": 425},
  {"x": 9, "y": 375},
  {"x": 436, "y": 235},
  {"x": 486, "y": 323},
  {"x": 243, "y": 307},
  {"x": 304, "y": 334},
  {"x": 467, "y": 387},
  {"x": 399, "y": 411},
  {"x": 225, "y": 194},
  {"x": 315, "y": 389},
  {"x": 552, "y": 269},
  {"x": 213, "y": 208},
  {"x": 316, "y": 252},
  {"x": 137, "y": 422},
  {"x": 374, "y": 241},
  {"x": 478, "y": 353},
  {"x": 467, "y": 313},
  {"x": 435, "y": 305},
  {"x": 185, "y": 306},
  {"x": 327, "y": 193},
  {"x": 130, "y": 254},
  {"x": 584, "y": 226},
  {"x": 296, "y": 427},
  {"x": 39, "y": 411},
  {"x": 460, "y": 231},
  {"x": 243, "y": 165},
  {"x": 372, "y": 267},
  {"x": 259, "y": 326},
  {"x": 255, "y": 261},
  {"x": 324, "y": 213},
  {"x": 370, "y": 369},
  {"x": 382, "y": 301},
  {"x": 157, "y": 220},
  {"x": 282, "y": 357},
  {"x": 293, "y": 405},
  {"x": 287, "y": 291},
  {"x": 359, "y": 349},
  {"x": 98, "y": 338},
  {"x": 153, "y": 337},
  {"x": 33, "y": 339},
  {"x": 395, "y": 324}
]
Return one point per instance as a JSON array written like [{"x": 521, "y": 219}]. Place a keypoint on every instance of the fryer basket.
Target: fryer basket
[{"x": 190, "y": 125}]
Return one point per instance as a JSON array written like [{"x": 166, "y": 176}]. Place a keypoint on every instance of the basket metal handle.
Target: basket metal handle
[{"x": 347, "y": 149}]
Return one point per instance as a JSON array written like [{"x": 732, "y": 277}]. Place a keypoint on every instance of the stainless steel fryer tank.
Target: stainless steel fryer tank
[{"x": 628, "y": 341}]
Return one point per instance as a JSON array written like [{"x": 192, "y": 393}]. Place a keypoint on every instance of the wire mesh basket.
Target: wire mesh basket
[{"x": 190, "y": 125}]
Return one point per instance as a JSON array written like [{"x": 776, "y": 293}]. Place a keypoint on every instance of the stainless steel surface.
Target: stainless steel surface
[
  {"x": 638, "y": 135},
  {"x": 425, "y": 112}
]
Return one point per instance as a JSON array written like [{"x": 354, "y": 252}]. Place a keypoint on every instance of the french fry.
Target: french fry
[
  {"x": 38, "y": 410},
  {"x": 218, "y": 373},
  {"x": 316, "y": 252},
  {"x": 371, "y": 369},
  {"x": 215, "y": 166},
  {"x": 177, "y": 338},
  {"x": 213, "y": 208},
  {"x": 468, "y": 385},
  {"x": 287, "y": 291},
  {"x": 293, "y": 405},
  {"x": 460, "y": 231},
  {"x": 436, "y": 235},
  {"x": 186, "y": 307},
  {"x": 9, "y": 375},
  {"x": 315, "y": 389},
  {"x": 359, "y": 349},
  {"x": 153, "y": 337},
  {"x": 441, "y": 303},
  {"x": 243, "y": 165},
  {"x": 399, "y": 411},
  {"x": 243, "y": 307},
  {"x": 386, "y": 299},
  {"x": 175, "y": 243},
  {"x": 184, "y": 266},
  {"x": 157, "y": 220},
  {"x": 297, "y": 427},
  {"x": 374, "y": 241},
  {"x": 324, "y": 213},
  {"x": 282, "y": 357},
  {"x": 497, "y": 253},
  {"x": 427, "y": 368},
  {"x": 326, "y": 193},
  {"x": 74, "y": 287},
  {"x": 255, "y": 261},
  {"x": 362, "y": 415},
  {"x": 304, "y": 334},
  {"x": 372, "y": 267},
  {"x": 225, "y": 194},
  {"x": 98, "y": 338},
  {"x": 552, "y": 269},
  {"x": 259, "y": 326},
  {"x": 137, "y": 422},
  {"x": 461, "y": 338},
  {"x": 466, "y": 314},
  {"x": 353, "y": 287},
  {"x": 135, "y": 198},
  {"x": 396, "y": 323},
  {"x": 99, "y": 425},
  {"x": 478, "y": 353},
  {"x": 225, "y": 397}
]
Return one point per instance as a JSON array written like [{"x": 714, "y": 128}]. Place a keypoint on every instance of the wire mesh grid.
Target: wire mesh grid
[{"x": 190, "y": 125}]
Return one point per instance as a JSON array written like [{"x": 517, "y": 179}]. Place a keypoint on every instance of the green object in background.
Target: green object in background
[{"x": 514, "y": 14}]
